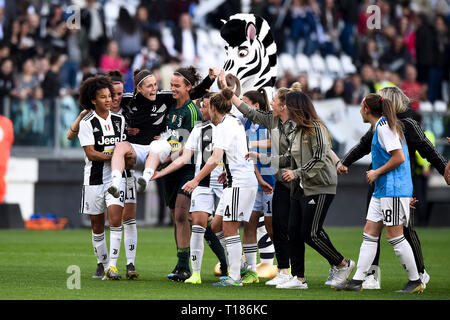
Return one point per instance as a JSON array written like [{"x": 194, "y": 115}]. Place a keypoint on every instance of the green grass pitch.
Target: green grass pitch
[{"x": 34, "y": 264}]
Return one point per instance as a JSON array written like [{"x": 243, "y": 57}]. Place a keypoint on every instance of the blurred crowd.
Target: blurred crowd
[{"x": 44, "y": 58}]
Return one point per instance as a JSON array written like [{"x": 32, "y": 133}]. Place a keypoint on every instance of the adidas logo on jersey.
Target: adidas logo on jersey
[{"x": 96, "y": 129}]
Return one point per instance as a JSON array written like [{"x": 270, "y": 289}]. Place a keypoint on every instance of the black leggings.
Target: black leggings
[
  {"x": 410, "y": 235},
  {"x": 305, "y": 226},
  {"x": 280, "y": 219}
]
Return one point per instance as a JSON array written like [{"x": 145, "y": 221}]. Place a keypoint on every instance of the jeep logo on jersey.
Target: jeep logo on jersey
[{"x": 110, "y": 140}]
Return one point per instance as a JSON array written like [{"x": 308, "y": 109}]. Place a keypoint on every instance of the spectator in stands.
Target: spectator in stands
[
  {"x": 302, "y": 36},
  {"x": 22, "y": 42},
  {"x": 76, "y": 52},
  {"x": 88, "y": 69},
  {"x": 153, "y": 55},
  {"x": 440, "y": 64},
  {"x": 329, "y": 20},
  {"x": 383, "y": 78},
  {"x": 93, "y": 20},
  {"x": 406, "y": 30},
  {"x": 146, "y": 26},
  {"x": 6, "y": 80},
  {"x": 349, "y": 10},
  {"x": 355, "y": 90},
  {"x": 368, "y": 77},
  {"x": 371, "y": 55},
  {"x": 337, "y": 90},
  {"x": 52, "y": 82},
  {"x": 185, "y": 40},
  {"x": 127, "y": 34},
  {"x": 397, "y": 56},
  {"x": 424, "y": 48},
  {"x": 413, "y": 89},
  {"x": 112, "y": 60}
]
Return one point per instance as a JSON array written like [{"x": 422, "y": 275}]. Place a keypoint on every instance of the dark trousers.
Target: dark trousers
[
  {"x": 306, "y": 226},
  {"x": 280, "y": 219}
]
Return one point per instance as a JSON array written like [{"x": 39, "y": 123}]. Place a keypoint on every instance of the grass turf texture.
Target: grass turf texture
[{"x": 34, "y": 265}]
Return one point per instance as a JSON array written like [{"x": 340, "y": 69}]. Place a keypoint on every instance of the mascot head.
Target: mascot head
[{"x": 251, "y": 52}]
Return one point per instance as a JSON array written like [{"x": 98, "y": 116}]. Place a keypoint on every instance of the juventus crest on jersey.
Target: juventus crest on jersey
[{"x": 103, "y": 134}]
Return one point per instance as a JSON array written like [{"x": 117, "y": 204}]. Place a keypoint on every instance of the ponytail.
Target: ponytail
[{"x": 380, "y": 106}]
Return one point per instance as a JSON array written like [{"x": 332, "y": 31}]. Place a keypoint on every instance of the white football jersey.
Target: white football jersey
[
  {"x": 229, "y": 135},
  {"x": 103, "y": 134},
  {"x": 201, "y": 142}
]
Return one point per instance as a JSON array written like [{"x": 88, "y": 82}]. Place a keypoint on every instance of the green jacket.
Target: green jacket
[
  {"x": 312, "y": 162},
  {"x": 281, "y": 135}
]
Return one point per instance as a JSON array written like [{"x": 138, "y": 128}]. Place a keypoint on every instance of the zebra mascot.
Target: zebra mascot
[{"x": 252, "y": 58}]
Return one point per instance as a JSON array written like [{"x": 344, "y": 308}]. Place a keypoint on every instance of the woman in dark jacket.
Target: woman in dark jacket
[{"x": 416, "y": 141}]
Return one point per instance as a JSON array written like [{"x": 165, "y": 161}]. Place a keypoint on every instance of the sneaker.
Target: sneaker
[
  {"x": 131, "y": 272},
  {"x": 293, "y": 283},
  {"x": 333, "y": 270},
  {"x": 180, "y": 275},
  {"x": 250, "y": 277},
  {"x": 372, "y": 279},
  {"x": 194, "y": 278},
  {"x": 170, "y": 275},
  {"x": 425, "y": 278},
  {"x": 114, "y": 191},
  {"x": 412, "y": 287},
  {"x": 112, "y": 273},
  {"x": 349, "y": 285},
  {"x": 342, "y": 273},
  {"x": 227, "y": 282},
  {"x": 99, "y": 272},
  {"x": 141, "y": 184},
  {"x": 279, "y": 279},
  {"x": 244, "y": 267}
]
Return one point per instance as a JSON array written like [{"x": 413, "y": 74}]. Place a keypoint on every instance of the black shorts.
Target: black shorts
[{"x": 173, "y": 184}]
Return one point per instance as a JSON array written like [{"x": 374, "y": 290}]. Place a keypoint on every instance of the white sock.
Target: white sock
[
  {"x": 222, "y": 241},
  {"x": 250, "y": 251},
  {"x": 116, "y": 177},
  {"x": 234, "y": 249},
  {"x": 197, "y": 247},
  {"x": 367, "y": 253},
  {"x": 100, "y": 249},
  {"x": 130, "y": 239},
  {"x": 115, "y": 240},
  {"x": 405, "y": 254},
  {"x": 265, "y": 245},
  {"x": 148, "y": 174}
]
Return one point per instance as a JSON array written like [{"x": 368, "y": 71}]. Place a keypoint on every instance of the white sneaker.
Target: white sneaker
[
  {"x": 333, "y": 270},
  {"x": 425, "y": 278},
  {"x": 294, "y": 283},
  {"x": 279, "y": 279},
  {"x": 372, "y": 281},
  {"x": 141, "y": 184},
  {"x": 342, "y": 273}
]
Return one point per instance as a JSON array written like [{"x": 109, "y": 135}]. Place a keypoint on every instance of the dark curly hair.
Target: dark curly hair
[
  {"x": 190, "y": 75},
  {"x": 90, "y": 86}
]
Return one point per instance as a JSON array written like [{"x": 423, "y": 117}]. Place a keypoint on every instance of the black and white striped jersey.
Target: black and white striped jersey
[
  {"x": 103, "y": 134},
  {"x": 200, "y": 141}
]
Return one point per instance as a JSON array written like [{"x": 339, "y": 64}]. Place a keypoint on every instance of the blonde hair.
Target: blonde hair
[
  {"x": 399, "y": 100},
  {"x": 283, "y": 91}
]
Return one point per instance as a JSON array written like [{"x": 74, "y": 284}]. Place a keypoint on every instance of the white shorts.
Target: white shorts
[
  {"x": 142, "y": 151},
  {"x": 392, "y": 211},
  {"x": 263, "y": 203},
  {"x": 162, "y": 148},
  {"x": 205, "y": 199},
  {"x": 95, "y": 199},
  {"x": 236, "y": 203},
  {"x": 130, "y": 194}
]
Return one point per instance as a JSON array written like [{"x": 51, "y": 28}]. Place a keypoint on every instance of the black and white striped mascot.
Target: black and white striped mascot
[{"x": 251, "y": 57}]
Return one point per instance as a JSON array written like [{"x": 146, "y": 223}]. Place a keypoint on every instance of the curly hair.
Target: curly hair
[{"x": 90, "y": 86}]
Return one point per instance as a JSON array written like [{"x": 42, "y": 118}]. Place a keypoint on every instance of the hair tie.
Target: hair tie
[{"x": 381, "y": 99}]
